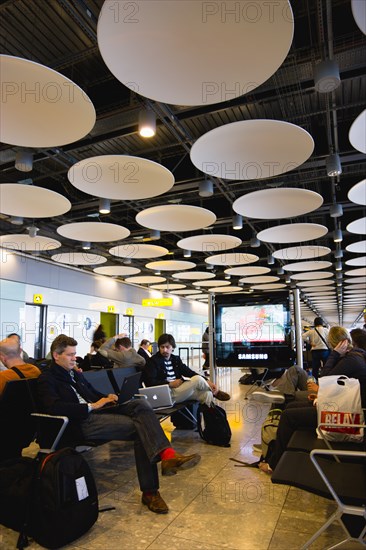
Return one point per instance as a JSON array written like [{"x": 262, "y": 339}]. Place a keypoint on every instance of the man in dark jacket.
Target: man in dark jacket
[
  {"x": 166, "y": 368},
  {"x": 64, "y": 391}
]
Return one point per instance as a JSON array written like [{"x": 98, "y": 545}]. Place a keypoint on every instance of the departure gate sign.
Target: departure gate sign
[{"x": 157, "y": 302}]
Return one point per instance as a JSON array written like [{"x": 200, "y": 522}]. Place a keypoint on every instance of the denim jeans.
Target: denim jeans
[
  {"x": 318, "y": 360},
  {"x": 134, "y": 421}
]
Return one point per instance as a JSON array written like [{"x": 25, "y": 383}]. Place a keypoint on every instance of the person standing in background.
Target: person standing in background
[
  {"x": 318, "y": 339},
  {"x": 144, "y": 349}
]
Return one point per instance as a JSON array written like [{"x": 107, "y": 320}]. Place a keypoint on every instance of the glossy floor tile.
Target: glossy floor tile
[{"x": 217, "y": 505}]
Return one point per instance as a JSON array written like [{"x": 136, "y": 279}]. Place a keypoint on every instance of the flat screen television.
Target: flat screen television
[{"x": 253, "y": 330}]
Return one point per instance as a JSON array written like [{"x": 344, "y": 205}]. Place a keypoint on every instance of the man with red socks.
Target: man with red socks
[{"x": 63, "y": 391}]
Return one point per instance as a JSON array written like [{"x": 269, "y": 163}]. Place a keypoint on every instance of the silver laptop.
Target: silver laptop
[{"x": 159, "y": 397}]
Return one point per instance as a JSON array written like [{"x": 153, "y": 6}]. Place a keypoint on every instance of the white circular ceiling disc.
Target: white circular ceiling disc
[
  {"x": 359, "y": 13},
  {"x": 357, "y": 134},
  {"x": 358, "y": 247},
  {"x": 179, "y": 35},
  {"x": 316, "y": 285},
  {"x": 187, "y": 292},
  {"x": 224, "y": 289},
  {"x": 259, "y": 279},
  {"x": 208, "y": 284},
  {"x": 145, "y": 279},
  {"x": 200, "y": 297},
  {"x": 301, "y": 252},
  {"x": 312, "y": 275},
  {"x": 356, "y": 272},
  {"x": 360, "y": 261},
  {"x": 170, "y": 265},
  {"x": 357, "y": 226},
  {"x": 244, "y": 271},
  {"x": 176, "y": 217},
  {"x": 272, "y": 204},
  {"x": 168, "y": 287},
  {"x": 120, "y": 177},
  {"x": 233, "y": 258},
  {"x": 117, "y": 270},
  {"x": 194, "y": 275},
  {"x": 307, "y": 266},
  {"x": 56, "y": 110},
  {"x": 292, "y": 233},
  {"x": 29, "y": 201},
  {"x": 23, "y": 243},
  {"x": 79, "y": 258},
  {"x": 95, "y": 232},
  {"x": 355, "y": 281},
  {"x": 209, "y": 243},
  {"x": 240, "y": 150},
  {"x": 270, "y": 286},
  {"x": 357, "y": 193},
  {"x": 138, "y": 251}
]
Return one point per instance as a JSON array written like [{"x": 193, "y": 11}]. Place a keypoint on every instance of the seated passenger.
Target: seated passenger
[
  {"x": 64, "y": 391},
  {"x": 10, "y": 356},
  {"x": 95, "y": 358},
  {"x": 166, "y": 368},
  {"x": 144, "y": 349},
  {"x": 294, "y": 380},
  {"x": 119, "y": 350},
  {"x": 344, "y": 359}
]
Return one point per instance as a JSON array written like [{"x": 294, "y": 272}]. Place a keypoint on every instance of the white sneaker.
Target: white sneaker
[{"x": 265, "y": 396}]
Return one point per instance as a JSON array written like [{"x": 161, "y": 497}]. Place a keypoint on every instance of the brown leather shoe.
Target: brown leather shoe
[
  {"x": 179, "y": 462},
  {"x": 222, "y": 396},
  {"x": 155, "y": 503}
]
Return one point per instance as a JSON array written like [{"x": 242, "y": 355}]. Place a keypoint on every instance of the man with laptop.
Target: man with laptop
[
  {"x": 65, "y": 392},
  {"x": 165, "y": 368}
]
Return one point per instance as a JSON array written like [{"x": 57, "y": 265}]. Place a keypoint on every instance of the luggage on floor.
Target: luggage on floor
[
  {"x": 269, "y": 432},
  {"x": 213, "y": 426},
  {"x": 52, "y": 498}
]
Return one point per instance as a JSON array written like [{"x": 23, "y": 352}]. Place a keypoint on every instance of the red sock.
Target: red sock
[{"x": 167, "y": 453}]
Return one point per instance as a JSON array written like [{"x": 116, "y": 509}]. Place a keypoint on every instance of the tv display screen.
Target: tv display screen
[{"x": 253, "y": 331}]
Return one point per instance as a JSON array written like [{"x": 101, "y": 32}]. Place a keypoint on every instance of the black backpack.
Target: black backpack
[
  {"x": 52, "y": 499},
  {"x": 213, "y": 426}
]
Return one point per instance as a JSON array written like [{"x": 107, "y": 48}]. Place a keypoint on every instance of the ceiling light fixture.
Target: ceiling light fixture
[
  {"x": 338, "y": 265},
  {"x": 187, "y": 254},
  {"x": 228, "y": 277},
  {"x": 280, "y": 271},
  {"x": 326, "y": 76},
  {"x": 104, "y": 206},
  {"x": 147, "y": 123},
  {"x": 336, "y": 210},
  {"x": 338, "y": 254},
  {"x": 16, "y": 220},
  {"x": 333, "y": 165},
  {"x": 205, "y": 188},
  {"x": 86, "y": 245},
  {"x": 24, "y": 161},
  {"x": 237, "y": 221},
  {"x": 337, "y": 236},
  {"x": 254, "y": 242},
  {"x": 32, "y": 231},
  {"x": 157, "y": 272},
  {"x": 155, "y": 234},
  {"x": 288, "y": 280},
  {"x": 270, "y": 259}
]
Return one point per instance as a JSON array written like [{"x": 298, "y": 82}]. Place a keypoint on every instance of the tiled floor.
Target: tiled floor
[{"x": 216, "y": 505}]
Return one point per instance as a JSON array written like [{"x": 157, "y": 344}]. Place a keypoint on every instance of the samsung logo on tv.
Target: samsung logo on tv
[{"x": 252, "y": 355}]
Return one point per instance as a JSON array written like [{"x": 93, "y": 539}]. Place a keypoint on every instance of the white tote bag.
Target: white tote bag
[{"x": 339, "y": 402}]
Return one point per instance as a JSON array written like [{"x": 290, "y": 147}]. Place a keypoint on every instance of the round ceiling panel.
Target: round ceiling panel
[
  {"x": 176, "y": 217},
  {"x": 223, "y": 289},
  {"x": 356, "y": 272},
  {"x": 145, "y": 279},
  {"x": 357, "y": 193},
  {"x": 355, "y": 281},
  {"x": 56, "y": 110},
  {"x": 29, "y": 201},
  {"x": 170, "y": 265},
  {"x": 240, "y": 150},
  {"x": 359, "y": 13},
  {"x": 209, "y": 243},
  {"x": 292, "y": 233},
  {"x": 197, "y": 296},
  {"x": 117, "y": 270},
  {"x": 357, "y": 226},
  {"x": 120, "y": 177},
  {"x": 208, "y": 284},
  {"x": 270, "y": 286},
  {"x": 138, "y": 251},
  {"x": 259, "y": 279},
  {"x": 168, "y": 287},
  {"x": 358, "y": 247},
  {"x": 316, "y": 285},
  {"x": 272, "y": 204},
  {"x": 247, "y": 271},
  {"x": 187, "y": 292},
  {"x": 23, "y": 243},
  {"x": 301, "y": 252},
  {"x": 357, "y": 134},
  {"x": 95, "y": 232},
  {"x": 233, "y": 258},
  {"x": 311, "y": 275},
  {"x": 79, "y": 258},
  {"x": 194, "y": 275},
  {"x": 199, "y": 73},
  {"x": 360, "y": 261},
  {"x": 307, "y": 266}
]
